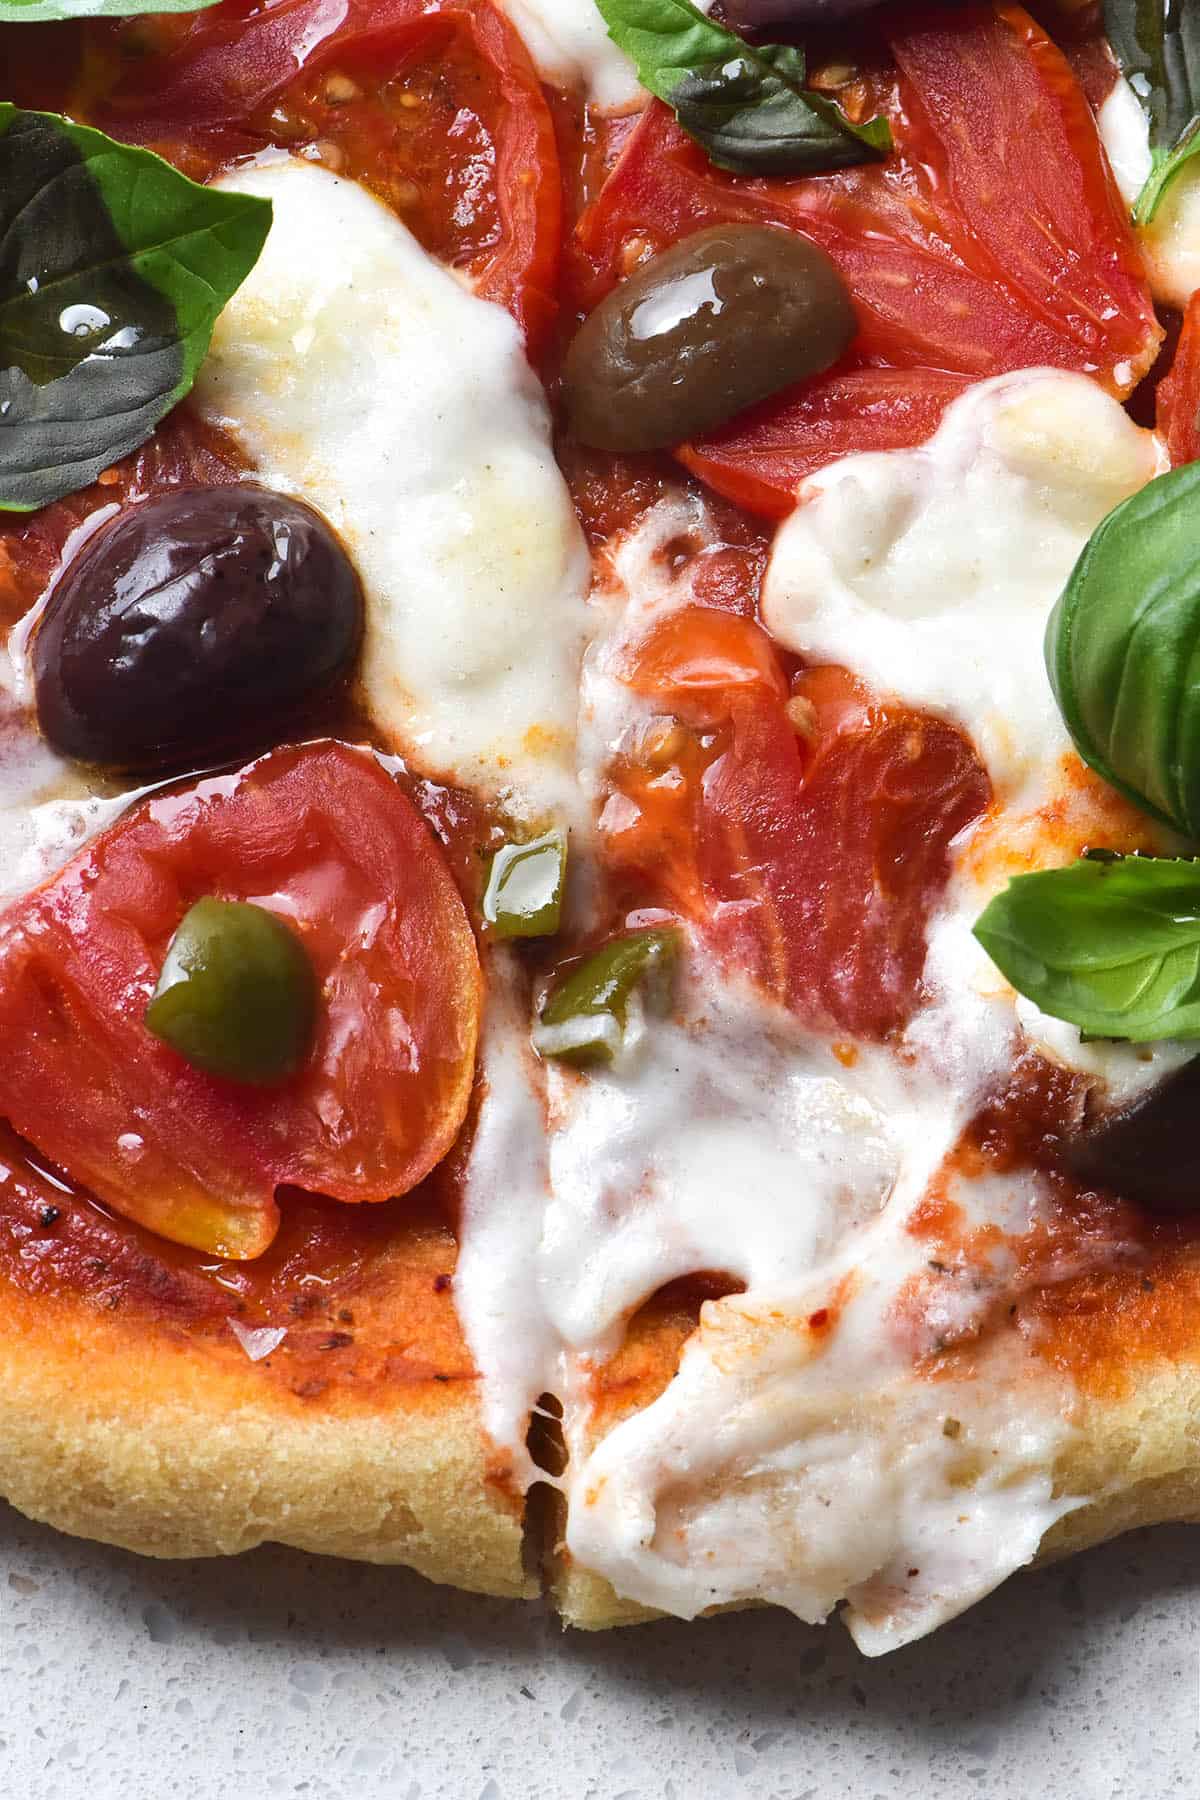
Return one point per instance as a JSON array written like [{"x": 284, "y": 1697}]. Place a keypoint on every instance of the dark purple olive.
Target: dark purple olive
[
  {"x": 718, "y": 322},
  {"x": 757, "y": 15},
  {"x": 197, "y": 624},
  {"x": 1149, "y": 1151}
]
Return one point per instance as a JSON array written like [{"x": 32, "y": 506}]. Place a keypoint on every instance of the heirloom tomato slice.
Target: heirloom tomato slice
[
  {"x": 321, "y": 836},
  {"x": 805, "y": 831}
]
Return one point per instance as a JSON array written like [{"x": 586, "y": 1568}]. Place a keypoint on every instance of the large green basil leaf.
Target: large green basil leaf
[
  {"x": 1123, "y": 649},
  {"x": 113, "y": 269},
  {"x": 745, "y": 104},
  {"x": 1111, "y": 945},
  {"x": 1157, "y": 43},
  {"x": 38, "y": 12}
]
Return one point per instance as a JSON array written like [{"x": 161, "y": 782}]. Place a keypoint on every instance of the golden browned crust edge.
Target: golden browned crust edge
[{"x": 178, "y": 1454}]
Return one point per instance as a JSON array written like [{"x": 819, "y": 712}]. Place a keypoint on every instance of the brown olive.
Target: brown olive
[
  {"x": 720, "y": 321},
  {"x": 1149, "y": 1151},
  {"x": 194, "y": 625}
]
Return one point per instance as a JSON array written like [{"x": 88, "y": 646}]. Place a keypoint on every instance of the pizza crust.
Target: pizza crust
[
  {"x": 168, "y": 1449},
  {"x": 183, "y": 1453}
]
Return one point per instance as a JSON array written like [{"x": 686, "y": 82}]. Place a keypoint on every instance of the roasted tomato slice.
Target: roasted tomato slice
[
  {"x": 994, "y": 239},
  {"x": 1178, "y": 396},
  {"x": 321, "y": 836},
  {"x": 806, "y": 835},
  {"x": 432, "y": 103}
]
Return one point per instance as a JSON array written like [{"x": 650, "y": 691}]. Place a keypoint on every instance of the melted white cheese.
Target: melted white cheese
[
  {"x": 779, "y": 1466},
  {"x": 1171, "y": 241},
  {"x": 364, "y": 378},
  {"x": 779, "y": 1463},
  {"x": 931, "y": 572},
  {"x": 49, "y": 807},
  {"x": 571, "y": 48},
  {"x": 724, "y": 1100},
  {"x": 1126, "y": 1070}
]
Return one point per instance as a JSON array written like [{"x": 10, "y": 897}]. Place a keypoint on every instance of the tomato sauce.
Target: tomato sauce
[{"x": 363, "y": 1294}]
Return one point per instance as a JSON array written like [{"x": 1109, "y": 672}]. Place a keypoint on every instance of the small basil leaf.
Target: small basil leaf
[
  {"x": 113, "y": 269},
  {"x": 1163, "y": 170},
  {"x": 745, "y": 104},
  {"x": 1113, "y": 947},
  {"x": 1123, "y": 649},
  {"x": 752, "y": 114},
  {"x": 1157, "y": 44},
  {"x": 39, "y": 12}
]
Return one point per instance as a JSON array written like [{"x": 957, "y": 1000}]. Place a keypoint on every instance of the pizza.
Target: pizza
[{"x": 600, "y": 925}]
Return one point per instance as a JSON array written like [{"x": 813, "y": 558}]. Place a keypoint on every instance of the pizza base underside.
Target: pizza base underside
[{"x": 146, "y": 1440}]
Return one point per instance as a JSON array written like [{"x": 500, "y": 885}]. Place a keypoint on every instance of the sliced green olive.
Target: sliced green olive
[
  {"x": 713, "y": 325},
  {"x": 585, "y": 1017},
  {"x": 523, "y": 897},
  {"x": 237, "y": 995}
]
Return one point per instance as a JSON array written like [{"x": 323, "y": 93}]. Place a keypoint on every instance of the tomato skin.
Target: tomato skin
[
  {"x": 958, "y": 262},
  {"x": 1178, "y": 396},
  {"x": 320, "y": 835},
  {"x": 697, "y": 660},
  {"x": 809, "y": 859},
  {"x": 206, "y": 88},
  {"x": 759, "y": 458}
]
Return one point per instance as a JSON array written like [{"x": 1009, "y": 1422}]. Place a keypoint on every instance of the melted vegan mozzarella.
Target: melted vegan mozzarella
[
  {"x": 365, "y": 379},
  {"x": 931, "y": 572},
  {"x": 571, "y": 48},
  {"x": 1171, "y": 241}
]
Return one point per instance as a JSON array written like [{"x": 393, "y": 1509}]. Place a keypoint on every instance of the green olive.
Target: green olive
[
  {"x": 523, "y": 897},
  {"x": 720, "y": 321},
  {"x": 585, "y": 1017},
  {"x": 237, "y": 995}
]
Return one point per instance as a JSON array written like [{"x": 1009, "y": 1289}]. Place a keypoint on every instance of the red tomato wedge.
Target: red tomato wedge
[
  {"x": 811, "y": 859},
  {"x": 993, "y": 239},
  {"x": 323, "y": 837},
  {"x": 761, "y": 456},
  {"x": 447, "y": 114},
  {"x": 1178, "y": 396}
]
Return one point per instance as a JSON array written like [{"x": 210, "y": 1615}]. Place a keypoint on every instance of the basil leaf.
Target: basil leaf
[
  {"x": 745, "y": 104},
  {"x": 1113, "y": 947},
  {"x": 113, "y": 269},
  {"x": 1157, "y": 43},
  {"x": 38, "y": 12},
  {"x": 1123, "y": 649}
]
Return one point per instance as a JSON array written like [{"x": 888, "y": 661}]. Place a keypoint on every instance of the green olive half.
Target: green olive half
[
  {"x": 720, "y": 321},
  {"x": 237, "y": 995}
]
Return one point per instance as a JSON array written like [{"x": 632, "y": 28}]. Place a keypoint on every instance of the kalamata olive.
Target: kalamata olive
[
  {"x": 1149, "y": 1151},
  {"x": 195, "y": 624},
  {"x": 719, "y": 321}
]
